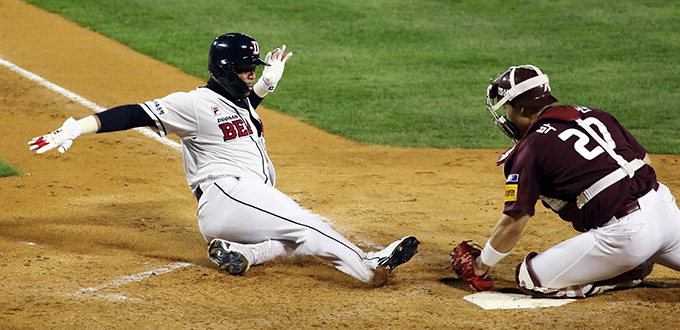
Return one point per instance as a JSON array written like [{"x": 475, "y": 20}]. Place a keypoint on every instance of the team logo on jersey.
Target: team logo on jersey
[{"x": 216, "y": 111}]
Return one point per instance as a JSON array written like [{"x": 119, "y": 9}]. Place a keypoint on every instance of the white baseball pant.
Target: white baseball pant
[{"x": 263, "y": 223}]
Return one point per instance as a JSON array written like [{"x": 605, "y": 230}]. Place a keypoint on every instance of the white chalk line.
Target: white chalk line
[
  {"x": 126, "y": 279},
  {"x": 81, "y": 100},
  {"x": 146, "y": 132}
]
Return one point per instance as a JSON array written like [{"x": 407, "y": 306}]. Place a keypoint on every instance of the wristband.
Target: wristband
[
  {"x": 88, "y": 125},
  {"x": 490, "y": 256},
  {"x": 262, "y": 89}
]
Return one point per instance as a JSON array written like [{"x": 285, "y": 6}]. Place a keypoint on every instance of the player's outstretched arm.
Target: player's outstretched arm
[
  {"x": 272, "y": 72},
  {"x": 115, "y": 119}
]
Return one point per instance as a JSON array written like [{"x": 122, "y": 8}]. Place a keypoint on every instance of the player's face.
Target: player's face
[
  {"x": 517, "y": 117},
  {"x": 247, "y": 74}
]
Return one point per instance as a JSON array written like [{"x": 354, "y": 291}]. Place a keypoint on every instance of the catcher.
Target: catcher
[{"x": 583, "y": 165}]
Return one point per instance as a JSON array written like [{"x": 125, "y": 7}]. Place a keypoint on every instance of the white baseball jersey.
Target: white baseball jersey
[
  {"x": 225, "y": 156},
  {"x": 219, "y": 138}
]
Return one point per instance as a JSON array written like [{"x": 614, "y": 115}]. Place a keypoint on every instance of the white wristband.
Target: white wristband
[
  {"x": 88, "y": 125},
  {"x": 490, "y": 256},
  {"x": 262, "y": 89}
]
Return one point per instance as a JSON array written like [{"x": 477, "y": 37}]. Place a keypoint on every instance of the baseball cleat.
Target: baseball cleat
[
  {"x": 232, "y": 261},
  {"x": 397, "y": 253}
]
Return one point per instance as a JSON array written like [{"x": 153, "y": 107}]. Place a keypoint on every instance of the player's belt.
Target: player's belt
[
  {"x": 628, "y": 209},
  {"x": 633, "y": 206},
  {"x": 198, "y": 193}
]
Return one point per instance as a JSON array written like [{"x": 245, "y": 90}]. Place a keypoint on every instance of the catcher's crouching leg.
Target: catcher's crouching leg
[{"x": 527, "y": 282}]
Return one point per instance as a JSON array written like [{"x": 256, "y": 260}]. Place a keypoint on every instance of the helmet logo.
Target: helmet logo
[
  {"x": 502, "y": 91},
  {"x": 256, "y": 48}
]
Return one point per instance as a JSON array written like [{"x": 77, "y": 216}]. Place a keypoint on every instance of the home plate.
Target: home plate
[{"x": 499, "y": 300}]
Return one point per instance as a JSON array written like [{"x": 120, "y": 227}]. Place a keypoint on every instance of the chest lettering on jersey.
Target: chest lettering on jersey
[{"x": 235, "y": 128}]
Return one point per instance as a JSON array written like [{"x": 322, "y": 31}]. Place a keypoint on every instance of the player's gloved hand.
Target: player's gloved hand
[
  {"x": 271, "y": 74},
  {"x": 462, "y": 262},
  {"x": 61, "y": 138}
]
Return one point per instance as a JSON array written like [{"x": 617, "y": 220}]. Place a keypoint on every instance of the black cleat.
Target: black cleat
[
  {"x": 397, "y": 253},
  {"x": 232, "y": 261}
]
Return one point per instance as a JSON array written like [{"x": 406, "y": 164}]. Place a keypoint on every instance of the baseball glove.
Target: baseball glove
[{"x": 462, "y": 259}]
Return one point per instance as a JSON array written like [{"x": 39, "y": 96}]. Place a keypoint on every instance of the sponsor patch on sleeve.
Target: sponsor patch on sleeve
[
  {"x": 512, "y": 178},
  {"x": 511, "y": 192}
]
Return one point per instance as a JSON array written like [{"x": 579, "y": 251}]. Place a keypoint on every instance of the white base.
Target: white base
[{"x": 499, "y": 300}]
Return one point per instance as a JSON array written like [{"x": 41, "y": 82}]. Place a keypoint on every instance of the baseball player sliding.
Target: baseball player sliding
[{"x": 243, "y": 217}]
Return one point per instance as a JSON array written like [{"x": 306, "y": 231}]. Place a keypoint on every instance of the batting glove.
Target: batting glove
[
  {"x": 61, "y": 138},
  {"x": 276, "y": 61}
]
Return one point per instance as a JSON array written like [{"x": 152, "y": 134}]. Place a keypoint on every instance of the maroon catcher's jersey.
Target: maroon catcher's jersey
[{"x": 558, "y": 159}]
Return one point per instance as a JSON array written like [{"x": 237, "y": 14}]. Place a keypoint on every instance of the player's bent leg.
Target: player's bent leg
[
  {"x": 319, "y": 239},
  {"x": 231, "y": 256},
  {"x": 250, "y": 212},
  {"x": 669, "y": 220},
  {"x": 527, "y": 281}
]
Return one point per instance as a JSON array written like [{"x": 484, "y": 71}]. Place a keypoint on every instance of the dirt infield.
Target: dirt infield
[{"x": 105, "y": 236}]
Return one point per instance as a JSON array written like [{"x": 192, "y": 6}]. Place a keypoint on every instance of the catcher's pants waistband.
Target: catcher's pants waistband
[{"x": 633, "y": 206}]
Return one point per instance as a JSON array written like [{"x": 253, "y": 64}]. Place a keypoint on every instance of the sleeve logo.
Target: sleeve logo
[
  {"x": 511, "y": 192},
  {"x": 512, "y": 178}
]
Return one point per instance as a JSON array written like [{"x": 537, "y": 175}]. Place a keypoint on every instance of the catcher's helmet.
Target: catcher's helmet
[
  {"x": 228, "y": 51},
  {"x": 523, "y": 85}
]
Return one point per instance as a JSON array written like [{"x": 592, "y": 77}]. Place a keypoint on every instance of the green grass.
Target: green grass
[
  {"x": 7, "y": 170},
  {"x": 414, "y": 73}
]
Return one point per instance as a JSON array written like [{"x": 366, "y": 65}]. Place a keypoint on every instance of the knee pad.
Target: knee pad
[{"x": 527, "y": 282}]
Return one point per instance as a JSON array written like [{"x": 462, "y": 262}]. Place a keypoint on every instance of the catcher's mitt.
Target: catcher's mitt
[{"x": 462, "y": 259}]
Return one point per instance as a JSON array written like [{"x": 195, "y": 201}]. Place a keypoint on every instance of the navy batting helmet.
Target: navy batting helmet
[{"x": 228, "y": 51}]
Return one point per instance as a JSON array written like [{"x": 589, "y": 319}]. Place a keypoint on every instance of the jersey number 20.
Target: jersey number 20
[{"x": 583, "y": 138}]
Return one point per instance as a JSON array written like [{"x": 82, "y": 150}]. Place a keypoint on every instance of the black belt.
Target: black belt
[
  {"x": 633, "y": 206},
  {"x": 198, "y": 193}
]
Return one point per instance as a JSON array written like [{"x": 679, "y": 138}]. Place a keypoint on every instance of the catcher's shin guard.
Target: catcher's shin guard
[{"x": 528, "y": 283}]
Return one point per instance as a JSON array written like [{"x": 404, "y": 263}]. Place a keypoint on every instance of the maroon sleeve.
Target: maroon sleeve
[{"x": 522, "y": 185}]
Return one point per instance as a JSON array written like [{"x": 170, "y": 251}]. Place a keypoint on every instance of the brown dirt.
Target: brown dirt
[{"x": 117, "y": 204}]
